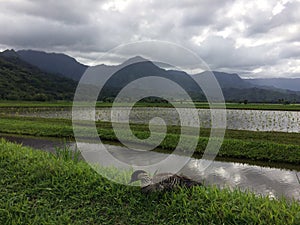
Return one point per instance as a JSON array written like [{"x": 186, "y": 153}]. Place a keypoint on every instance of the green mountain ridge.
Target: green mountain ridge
[
  {"x": 234, "y": 88},
  {"x": 20, "y": 80},
  {"x": 24, "y": 75},
  {"x": 54, "y": 63}
]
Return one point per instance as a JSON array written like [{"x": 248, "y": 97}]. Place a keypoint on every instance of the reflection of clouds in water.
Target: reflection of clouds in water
[
  {"x": 267, "y": 181},
  {"x": 261, "y": 180},
  {"x": 123, "y": 156},
  {"x": 288, "y": 178},
  {"x": 222, "y": 172},
  {"x": 237, "y": 178}
]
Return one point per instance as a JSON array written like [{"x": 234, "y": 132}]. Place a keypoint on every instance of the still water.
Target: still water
[
  {"x": 253, "y": 120},
  {"x": 268, "y": 181}
]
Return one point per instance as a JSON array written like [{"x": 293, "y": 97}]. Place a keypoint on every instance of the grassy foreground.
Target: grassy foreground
[
  {"x": 39, "y": 188},
  {"x": 263, "y": 146}
]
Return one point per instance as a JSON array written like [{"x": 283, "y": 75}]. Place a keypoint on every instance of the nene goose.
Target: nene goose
[{"x": 161, "y": 181}]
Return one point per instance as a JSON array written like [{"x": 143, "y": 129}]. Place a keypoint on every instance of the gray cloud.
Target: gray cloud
[
  {"x": 68, "y": 12},
  {"x": 254, "y": 38},
  {"x": 267, "y": 21}
]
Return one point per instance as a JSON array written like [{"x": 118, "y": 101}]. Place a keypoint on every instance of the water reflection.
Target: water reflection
[
  {"x": 254, "y": 120},
  {"x": 261, "y": 180}
]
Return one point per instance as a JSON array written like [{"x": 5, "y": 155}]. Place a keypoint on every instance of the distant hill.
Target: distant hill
[
  {"x": 27, "y": 74},
  {"x": 20, "y": 80},
  {"x": 228, "y": 80},
  {"x": 260, "y": 95},
  {"x": 54, "y": 63},
  {"x": 234, "y": 88},
  {"x": 292, "y": 84},
  {"x": 136, "y": 68}
]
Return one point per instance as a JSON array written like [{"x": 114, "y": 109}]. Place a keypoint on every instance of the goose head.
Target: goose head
[{"x": 138, "y": 175}]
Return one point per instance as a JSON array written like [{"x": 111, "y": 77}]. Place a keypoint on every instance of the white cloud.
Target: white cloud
[{"x": 233, "y": 36}]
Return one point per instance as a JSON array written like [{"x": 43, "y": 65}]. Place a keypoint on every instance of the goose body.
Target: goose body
[{"x": 161, "y": 181}]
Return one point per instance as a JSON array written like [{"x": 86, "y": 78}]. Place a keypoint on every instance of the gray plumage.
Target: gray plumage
[{"x": 161, "y": 181}]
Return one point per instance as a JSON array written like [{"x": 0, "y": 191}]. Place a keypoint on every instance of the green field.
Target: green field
[
  {"x": 26, "y": 104},
  {"x": 38, "y": 188},
  {"x": 249, "y": 106},
  {"x": 262, "y": 146}
]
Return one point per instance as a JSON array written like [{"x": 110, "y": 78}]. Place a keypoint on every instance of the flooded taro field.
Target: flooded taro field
[{"x": 252, "y": 120}]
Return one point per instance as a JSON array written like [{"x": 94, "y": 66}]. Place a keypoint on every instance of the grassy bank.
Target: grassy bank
[
  {"x": 37, "y": 188},
  {"x": 263, "y": 146},
  {"x": 201, "y": 105}
]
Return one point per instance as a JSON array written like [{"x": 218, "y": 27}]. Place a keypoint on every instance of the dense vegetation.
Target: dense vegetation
[
  {"x": 39, "y": 188},
  {"x": 22, "y": 81}
]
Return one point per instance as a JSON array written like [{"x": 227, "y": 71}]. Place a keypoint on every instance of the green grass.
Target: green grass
[
  {"x": 262, "y": 146},
  {"x": 39, "y": 188},
  {"x": 66, "y": 153},
  {"x": 28, "y": 104},
  {"x": 36, "y": 126},
  {"x": 203, "y": 105},
  {"x": 263, "y": 106}
]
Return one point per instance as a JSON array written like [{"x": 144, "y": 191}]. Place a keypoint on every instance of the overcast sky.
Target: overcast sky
[{"x": 253, "y": 38}]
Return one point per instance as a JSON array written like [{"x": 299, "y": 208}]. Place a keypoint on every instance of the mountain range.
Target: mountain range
[
  {"x": 292, "y": 84},
  {"x": 20, "y": 80},
  {"x": 29, "y": 74},
  {"x": 55, "y": 63}
]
